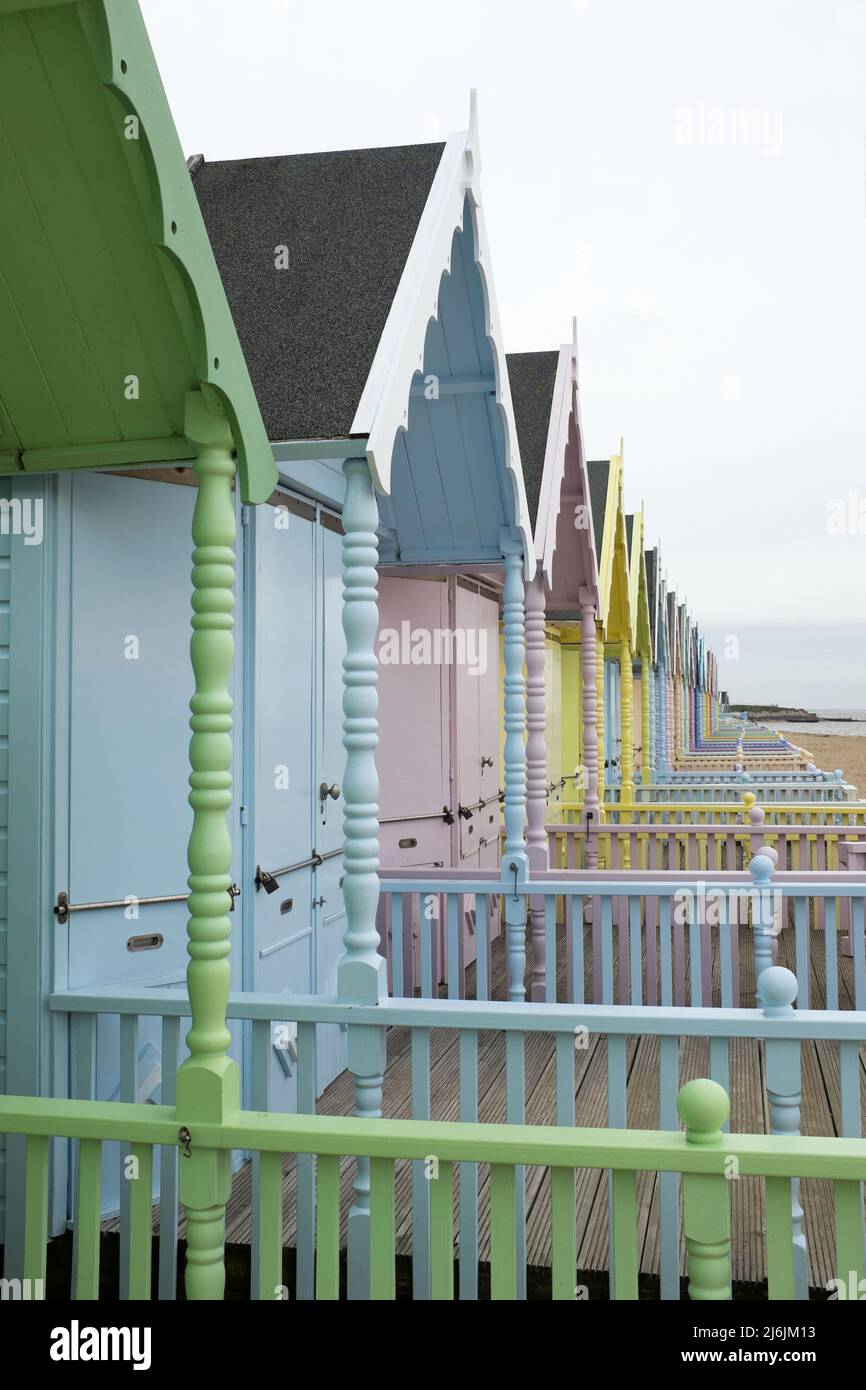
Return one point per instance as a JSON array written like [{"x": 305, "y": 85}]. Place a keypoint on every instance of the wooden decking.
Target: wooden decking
[{"x": 820, "y": 1116}]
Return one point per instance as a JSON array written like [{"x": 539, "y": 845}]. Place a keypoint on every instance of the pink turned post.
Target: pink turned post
[
  {"x": 590, "y": 728},
  {"x": 536, "y": 770}
]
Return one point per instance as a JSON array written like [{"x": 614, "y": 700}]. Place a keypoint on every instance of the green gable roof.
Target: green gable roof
[{"x": 111, "y": 305}]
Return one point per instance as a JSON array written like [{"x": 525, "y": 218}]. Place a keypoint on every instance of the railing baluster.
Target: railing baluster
[
  {"x": 83, "y": 1038},
  {"x": 138, "y": 1273},
  {"x": 503, "y": 1233},
  {"x": 850, "y": 1258},
  {"x": 426, "y": 928},
  {"x": 669, "y": 1201},
  {"x": 563, "y": 1233},
  {"x": 168, "y": 1182},
  {"x": 36, "y": 1209},
  {"x": 831, "y": 953},
  {"x": 801, "y": 938},
  {"x": 482, "y": 946},
  {"x": 515, "y": 1114},
  {"x": 635, "y": 953},
  {"x": 452, "y": 921},
  {"x": 665, "y": 951},
  {"x": 624, "y": 1232},
  {"x": 260, "y": 1061},
  {"x": 420, "y": 1104},
  {"x": 382, "y": 1272},
  {"x": 327, "y": 1169},
  {"x": 128, "y": 1088},
  {"x": 305, "y": 1186},
  {"x": 398, "y": 981},
  {"x": 617, "y": 1118},
  {"x": 88, "y": 1220},
  {"x": 269, "y": 1247},
  {"x": 468, "y": 1238},
  {"x": 442, "y": 1242},
  {"x": 550, "y": 950},
  {"x": 606, "y": 949}
]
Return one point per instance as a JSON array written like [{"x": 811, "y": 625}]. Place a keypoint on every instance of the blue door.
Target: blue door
[
  {"x": 128, "y": 821},
  {"x": 298, "y": 760}
]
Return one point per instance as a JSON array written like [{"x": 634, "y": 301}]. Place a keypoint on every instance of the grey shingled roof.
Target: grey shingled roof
[
  {"x": 347, "y": 218},
  {"x": 599, "y": 472},
  {"x": 650, "y": 559},
  {"x": 532, "y": 376},
  {"x": 629, "y": 528}
]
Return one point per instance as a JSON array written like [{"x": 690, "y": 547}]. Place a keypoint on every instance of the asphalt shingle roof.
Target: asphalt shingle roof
[{"x": 310, "y": 327}]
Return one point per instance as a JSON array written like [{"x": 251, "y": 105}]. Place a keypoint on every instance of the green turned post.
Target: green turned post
[
  {"x": 208, "y": 1087},
  {"x": 703, "y": 1107},
  {"x": 361, "y": 977}
]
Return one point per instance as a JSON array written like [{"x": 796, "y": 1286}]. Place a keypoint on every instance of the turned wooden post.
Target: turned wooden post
[
  {"x": 777, "y": 990},
  {"x": 703, "y": 1107},
  {"x": 646, "y": 722},
  {"x": 761, "y": 868},
  {"x": 361, "y": 977},
  {"x": 627, "y": 727},
  {"x": 536, "y": 769},
  {"x": 208, "y": 1085},
  {"x": 589, "y": 665},
  {"x": 600, "y": 711},
  {"x": 514, "y": 860}
]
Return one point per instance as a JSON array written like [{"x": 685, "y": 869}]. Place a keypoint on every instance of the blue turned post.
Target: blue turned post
[
  {"x": 761, "y": 867},
  {"x": 514, "y": 858},
  {"x": 361, "y": 970},
  {"x": 777, "y": 991}
]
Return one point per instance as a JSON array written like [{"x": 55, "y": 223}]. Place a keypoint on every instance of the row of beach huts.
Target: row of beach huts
[{"x": 472, "y": 942}]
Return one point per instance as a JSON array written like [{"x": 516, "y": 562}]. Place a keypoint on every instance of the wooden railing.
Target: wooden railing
[
  {"x": 655, "y": 935},
  {"x": 725, "y": 812},
  {"x": 700, "y": 846},
  {"x": 703, "y": 1157}
]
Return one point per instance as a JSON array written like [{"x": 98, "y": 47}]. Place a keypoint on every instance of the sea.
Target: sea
[{"x": 849, "y": 722}]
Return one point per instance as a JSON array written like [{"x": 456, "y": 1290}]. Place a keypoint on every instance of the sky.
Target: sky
[{"x": 689, "y": 180}]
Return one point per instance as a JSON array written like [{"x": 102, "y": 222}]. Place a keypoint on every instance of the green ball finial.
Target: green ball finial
[{"x": 703, "y": 1107}]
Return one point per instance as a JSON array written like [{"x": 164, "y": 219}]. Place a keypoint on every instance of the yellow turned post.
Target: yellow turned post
[
  {"x": 645, "y": 737},
  {"x": 626, "y": 703},
  {"x": 208, "y": 1087},
  {"x": 599, "y": 696}
]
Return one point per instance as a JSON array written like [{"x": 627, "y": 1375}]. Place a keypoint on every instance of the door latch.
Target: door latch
[
  {"x": 486, "y": 762},
  {"x": 333, "y": 791},
  {"x": 319, "y": 902}
]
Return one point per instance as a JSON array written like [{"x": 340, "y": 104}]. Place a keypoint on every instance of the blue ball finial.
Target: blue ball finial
[{"x": 777, "y": 990}]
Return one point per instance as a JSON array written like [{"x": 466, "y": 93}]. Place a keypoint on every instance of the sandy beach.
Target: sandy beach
[{"x": 837, "y": 750}]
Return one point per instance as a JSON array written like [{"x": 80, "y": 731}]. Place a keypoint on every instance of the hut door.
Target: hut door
[
  {"x": 128, "y": 818},
  {"x": 282, "y": 798},
  {"x": 329, "y": 909}
]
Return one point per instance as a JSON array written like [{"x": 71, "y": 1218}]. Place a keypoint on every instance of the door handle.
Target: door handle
[{"x": 333, "y": 791}]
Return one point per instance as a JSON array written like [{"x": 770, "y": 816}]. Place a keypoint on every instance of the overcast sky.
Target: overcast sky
[{"x": 716, "y": 260}]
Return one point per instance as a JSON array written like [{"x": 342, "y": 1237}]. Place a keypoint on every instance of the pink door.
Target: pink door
[{"x": 414, "y": 753}]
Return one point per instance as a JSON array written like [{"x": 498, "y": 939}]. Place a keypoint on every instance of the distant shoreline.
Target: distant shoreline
[{"x": 790, "y": 715}]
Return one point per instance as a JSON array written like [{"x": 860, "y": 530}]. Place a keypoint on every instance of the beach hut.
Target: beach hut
[
  {"x": 117, "y": 350},
  {"x": 654, "y": 606},
  {"x": 641, "y": 645},
  {"x": 614, "y": 624},
  {"x": 562, "y": 601}
]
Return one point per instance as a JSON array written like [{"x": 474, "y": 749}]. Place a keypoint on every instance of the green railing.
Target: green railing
[{"x": 707, "y": 1159}]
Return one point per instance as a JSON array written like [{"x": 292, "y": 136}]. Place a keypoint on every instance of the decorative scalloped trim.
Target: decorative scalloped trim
[
  {"x": 384, "y": 404},
  {"x": 566, "y": 404},
  {"x": 131, "y": 72}
]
